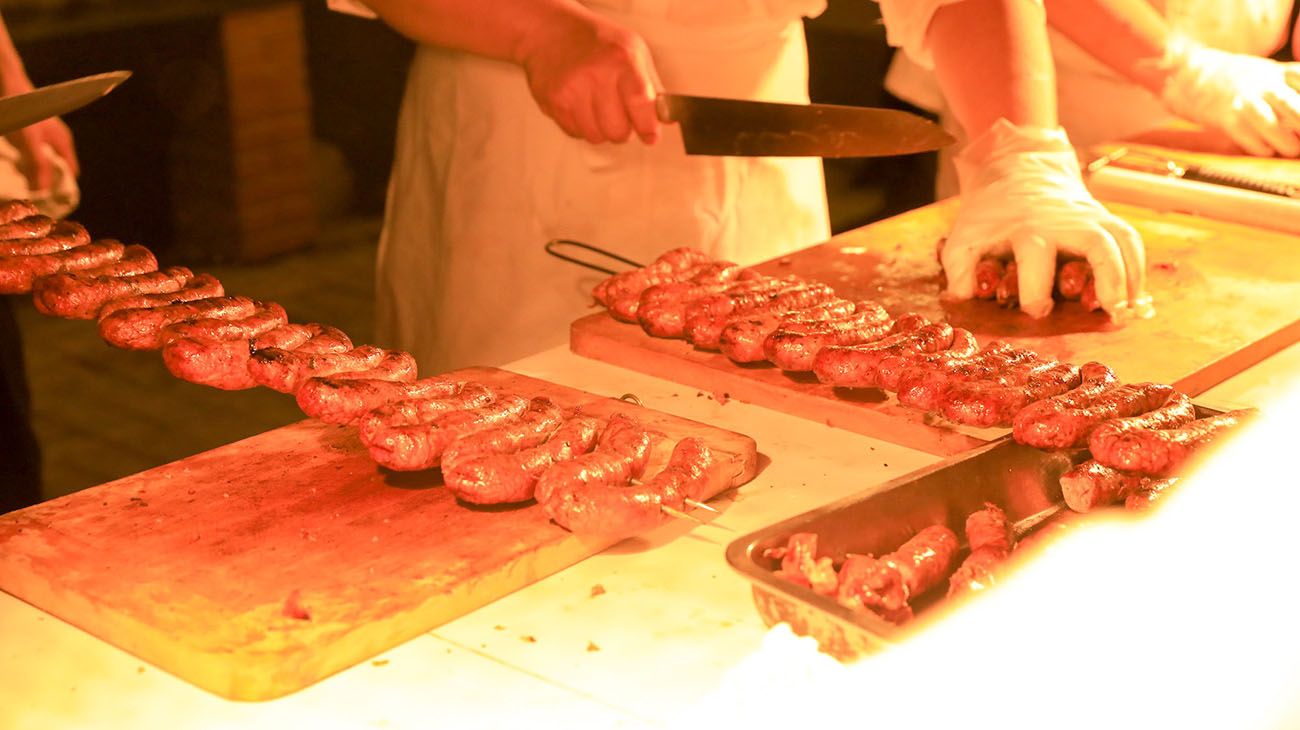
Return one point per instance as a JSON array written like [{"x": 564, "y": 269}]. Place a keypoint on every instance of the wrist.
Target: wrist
[{"x": 1007, "y": 149}]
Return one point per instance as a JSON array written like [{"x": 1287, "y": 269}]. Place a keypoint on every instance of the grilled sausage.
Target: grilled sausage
[
  {"x": 857, "y": 366},
  {"x": 801, "y": 566},
  {"x": 991, "y": 403},
  {"x": 888, "y": 584},
  {"x": 81, "y": 296},
  {"x": 420, "y": 446},
  {"x": 666, "y": 268},
  {"x": 28, "y": 228},
  {"x": 18, "y": 273},
  {"x": 706, "y": 332},
  {"x": 990, "y": 539},
  {"x": 1163, "y": 452},
  {"x": 12, "y": 210},
  {"x": 506, "y": 478},
  {"x": 419, "y": 409},
  {"x": 1150, "y": 494},
  {"x": 1071, "y": 278},
  {"x": 661, "y": 309},
  {"x": 141, "y": 328},
  {"x": 286, "y": 370},
  {"x": 63, "y": 236},
  {"x": 1033, "y": 425},
  {"x": 794, "y": 347},
  {"x": 348, "y": 399},
  {"x": 1093, "y": 484},
  {"x": 988, "y": 274},
  {"x": 201, "y": 286},
  {"x": 742, "y": 340},
  {"x": 1065, "y": 428},
  {"x": 964, "y": 347}
]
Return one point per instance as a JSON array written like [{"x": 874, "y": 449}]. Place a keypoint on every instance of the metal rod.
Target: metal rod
[{"x": 555, "y": 243}]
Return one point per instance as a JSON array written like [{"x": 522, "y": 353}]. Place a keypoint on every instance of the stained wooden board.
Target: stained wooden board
[
  {"x": 1226, "y": 295},
  {"x": 200, "y": 566}
]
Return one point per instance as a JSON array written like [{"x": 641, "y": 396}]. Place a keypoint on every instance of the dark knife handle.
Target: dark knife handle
[{"x": 1243, "y": 182}]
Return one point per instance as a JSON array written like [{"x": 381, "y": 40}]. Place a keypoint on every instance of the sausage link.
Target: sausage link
[
  {"x": 1110, "y": 443},
  {"x": 1163, "y": 452},
  {"x": 141, "y": 328},
  {"x": 19, "y": 273},
  {"x": 201, "y": 286},
  {"x": 419, "y": 409},
  {"x": 12, "y": 210},
  {"x": 801, "y": 566},
  {"x": 136, "y": 259},
  {"x": 988, "y": 274},
  {"x": 990, "y": 539},
  {"x": 348, "y": 400},
  {"x": 506, "y": 478},
  {"x": 1092, "y": 484},
  {"x": 888, "y": 584},
  {"x": 395, "y": 365},
  {"x": 265, "y": 317},
  {"x": 661, "y": 309},
  {"x": 286, "y": 370},
  {"x": 706, "y": 333},
  {"x": 420, "y": 446},
  {"x": 533, "y": 428},
  {"x": 663, "y": 269},
  {"x": 621, "y": 455},
  {"x": 1071, "y": 278},
  {"x": 793, "y": 347},
  {"x": 1065, "y": 428},
  {"x": 742, "y": 340},
  {"x": 991, "y": 403},
  {"x": 713, "y": 311},
  {"x": 1030, "y": 426},
  {"x": 63, "y": 236},
  {"x": 1008, "y": 290},
  {"x": 964, "y": 347},
  {"x": 926, "y": 386},
  {"x": 615, "y": 510},
  {"x": 31, "y": 227},
  {"x": 856, "y": 366},
  {"x": 81, "y": 296}
]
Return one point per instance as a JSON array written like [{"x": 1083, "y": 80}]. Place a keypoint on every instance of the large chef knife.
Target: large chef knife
[
  {"x": 21, "y": 110},
  {"x": 712, "y": 126}
]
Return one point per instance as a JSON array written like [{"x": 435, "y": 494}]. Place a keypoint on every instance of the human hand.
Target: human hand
[
  {"x": 1253, "y": 100},
  {"x": 595, "y": 79},
  {"x": 34, "y": 144},
  {"x": 1022, "y": 193}
]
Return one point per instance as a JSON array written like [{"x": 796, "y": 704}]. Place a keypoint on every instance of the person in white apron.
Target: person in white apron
[
  {"x": 483, "y": 178},
  {"x": 1022, "y": 191},
  {"x": 1097, "y": 103}
]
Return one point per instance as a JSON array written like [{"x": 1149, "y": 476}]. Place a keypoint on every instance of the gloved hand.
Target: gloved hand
[
  {"x": 1252, "y": 99},
  {"x": 595, "y": 78},
  {"x": 1022, "y": 192}
]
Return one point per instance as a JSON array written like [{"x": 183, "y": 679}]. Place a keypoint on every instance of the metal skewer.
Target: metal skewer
[
  {"x": 700, "y": 505},
  {"x": 674, "y": 512}
]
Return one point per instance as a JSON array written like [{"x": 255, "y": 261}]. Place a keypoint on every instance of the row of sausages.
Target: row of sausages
[
  {"x": 492, "y": 447},
  {"x": 891, "y": 584},
  {"x": 1136, "y": 432}
]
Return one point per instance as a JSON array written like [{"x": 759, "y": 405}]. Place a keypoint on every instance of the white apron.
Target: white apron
[
  {"x": 1096, "y": 104},
  {"x": 482, "y": 179}
]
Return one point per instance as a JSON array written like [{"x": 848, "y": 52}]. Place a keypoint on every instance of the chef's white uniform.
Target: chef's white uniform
[
  {"x": 482, "y": 180},
  {"x": 1096, "y": 104}
]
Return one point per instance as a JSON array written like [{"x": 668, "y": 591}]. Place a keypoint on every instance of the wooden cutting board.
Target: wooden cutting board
[
  {"x": 260, "y": 567},
  {"x": 1227, "y": 296}
]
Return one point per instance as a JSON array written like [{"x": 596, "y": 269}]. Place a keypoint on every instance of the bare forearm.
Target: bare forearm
[
  {"x": 501, "y": 29},
  {"x": 13, "y": 76},
  {"x": 993, "y": 60},
  {"x": 1127, "y": 35}
]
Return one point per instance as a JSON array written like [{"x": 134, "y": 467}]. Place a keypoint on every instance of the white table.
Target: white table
[{"x": 671, "y": 620}]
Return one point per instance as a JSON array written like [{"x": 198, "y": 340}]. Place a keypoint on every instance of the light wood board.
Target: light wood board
[
  {"x": 1226, "y": 295},
  {"x": 201, "y": 565}
]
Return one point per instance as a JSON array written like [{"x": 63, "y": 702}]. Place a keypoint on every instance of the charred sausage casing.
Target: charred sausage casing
[{"x": 420, "y": 446}]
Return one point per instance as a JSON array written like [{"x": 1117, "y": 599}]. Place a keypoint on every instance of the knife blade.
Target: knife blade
[
  {"x": 744, "y": 128},
  {"x": 21, "y": 110}
]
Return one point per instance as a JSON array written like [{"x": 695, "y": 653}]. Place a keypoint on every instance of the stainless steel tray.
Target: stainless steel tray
[{"x": 1023, "y": 481}]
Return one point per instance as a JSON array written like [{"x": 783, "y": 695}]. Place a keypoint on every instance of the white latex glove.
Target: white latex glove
[
  {"x": 1252, "y": 99},
  {"x": 1022, "y": 193}
]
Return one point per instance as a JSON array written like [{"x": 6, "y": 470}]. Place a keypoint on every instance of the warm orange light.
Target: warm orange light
[{"x": 1186, "y": 617}]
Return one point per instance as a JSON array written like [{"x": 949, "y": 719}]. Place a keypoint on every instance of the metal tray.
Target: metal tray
[{"x": 1023, "y": 481}]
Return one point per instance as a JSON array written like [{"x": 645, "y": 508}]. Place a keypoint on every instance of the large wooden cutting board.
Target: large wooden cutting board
[
  {"x": 1227, "y": 296},
  {"x": 260, "y": 567}
]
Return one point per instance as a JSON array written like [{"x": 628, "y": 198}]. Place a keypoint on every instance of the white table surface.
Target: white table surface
[{"x": 672, "y": 618}]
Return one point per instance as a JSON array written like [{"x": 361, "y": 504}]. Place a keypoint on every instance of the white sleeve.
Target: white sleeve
[
  {"x": 906, "y": 25},
  {"x": 351, "y": 7}
]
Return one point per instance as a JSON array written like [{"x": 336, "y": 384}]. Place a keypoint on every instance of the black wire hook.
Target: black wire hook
[{"x": 556, "y": 243}]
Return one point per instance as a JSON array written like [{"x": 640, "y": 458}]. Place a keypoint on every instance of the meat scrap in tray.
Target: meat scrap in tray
[
  {"x": 609, "y": 477},
  {"x": 891, "y": 585}
]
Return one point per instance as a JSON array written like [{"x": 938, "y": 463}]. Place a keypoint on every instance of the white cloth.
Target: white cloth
[
  {"x": 62, "y": 198},
  {"x": 482, "y": 179},
  {"x": 1096, "y": 104}
]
